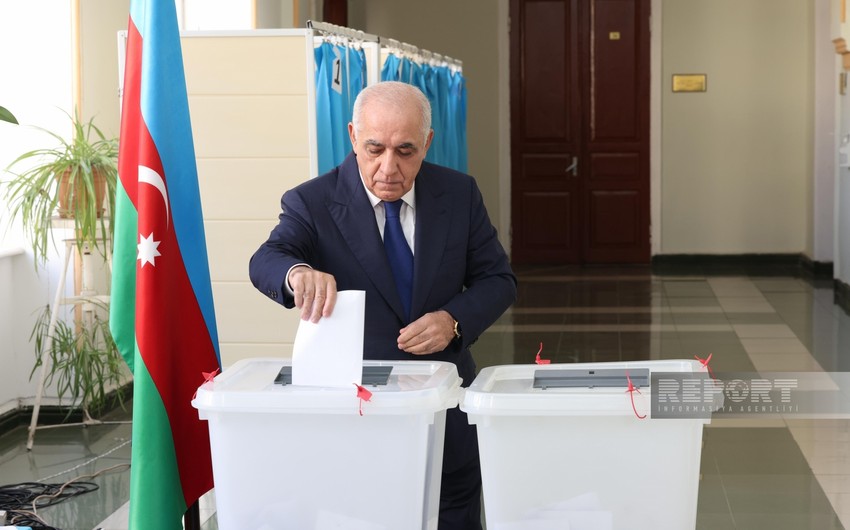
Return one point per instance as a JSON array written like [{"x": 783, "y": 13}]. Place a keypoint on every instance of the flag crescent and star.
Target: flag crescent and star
[{"x": 147, "y": 246}]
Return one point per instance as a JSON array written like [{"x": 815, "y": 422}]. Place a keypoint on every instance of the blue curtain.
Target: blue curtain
[
  {"x": 392, "y": 69},
  {"x": 446, "y": 91},
  {"x": 459, "y": 96},
  {"x": 437, "y": 152},
  {"x": 340, "y": 76}
]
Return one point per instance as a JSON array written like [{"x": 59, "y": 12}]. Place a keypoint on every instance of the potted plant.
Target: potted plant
[
  {"x": 84, "y": 361},
  {"x": 70, "y": 180},
  {"x": 75, "y": 180}
]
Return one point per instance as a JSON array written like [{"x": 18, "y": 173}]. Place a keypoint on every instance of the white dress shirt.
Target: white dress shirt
[{"x": 407, "y": 216}]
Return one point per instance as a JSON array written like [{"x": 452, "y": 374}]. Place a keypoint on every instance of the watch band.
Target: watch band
[{"x": 457, "y": 329}]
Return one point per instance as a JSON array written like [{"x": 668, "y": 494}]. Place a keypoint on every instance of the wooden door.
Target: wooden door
[{"x": 580, "y": 131}]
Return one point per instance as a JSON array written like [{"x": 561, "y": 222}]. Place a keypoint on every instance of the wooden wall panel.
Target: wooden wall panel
[
  {"x": 246, "y": 126},
  {"x": 249, "y": 101},
  {"x": 246, "y": 316},
  {"x": 257, "y": 65},
  {"x": 228, "y": 244},
  {"x": 267, "y": 178}
]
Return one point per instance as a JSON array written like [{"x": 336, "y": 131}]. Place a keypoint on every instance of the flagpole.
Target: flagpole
[{"x": 192, "y": 518}]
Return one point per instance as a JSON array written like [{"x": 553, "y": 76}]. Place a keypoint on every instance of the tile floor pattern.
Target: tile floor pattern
[{"x": 757, "y": 473}]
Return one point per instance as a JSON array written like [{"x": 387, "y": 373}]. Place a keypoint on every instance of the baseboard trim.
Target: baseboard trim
[
  {"x": 819, "y": 269},
  {"x": 841, "y": 295},
  {"x": 726, "y": 259},
  {"x": 731, "y": 264},
  {"x": 756, "y": 263}
]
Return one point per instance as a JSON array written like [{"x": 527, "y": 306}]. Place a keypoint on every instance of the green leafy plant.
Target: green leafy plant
[
  {"x": 5, "y": 115},
  {"x": 85, "y": 168},
  {"x": 83, "y": 359}
]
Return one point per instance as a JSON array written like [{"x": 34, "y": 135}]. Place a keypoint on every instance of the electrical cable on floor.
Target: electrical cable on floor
[
  {"x": 17, "y": 499},
  {"x": 87, "y": 462}
]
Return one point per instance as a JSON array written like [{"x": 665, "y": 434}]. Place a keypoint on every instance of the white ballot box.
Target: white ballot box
[
  {"x": 563, "y": 445},
  {"x": 302, "y": 458}
]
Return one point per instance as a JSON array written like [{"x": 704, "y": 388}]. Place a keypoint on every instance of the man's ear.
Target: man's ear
[
  {"x": 428, "y": 139},
  {"x": 351, "y": 135}
]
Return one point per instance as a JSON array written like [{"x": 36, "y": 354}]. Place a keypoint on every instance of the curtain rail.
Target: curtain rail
[{"x": 393, "y": 44}]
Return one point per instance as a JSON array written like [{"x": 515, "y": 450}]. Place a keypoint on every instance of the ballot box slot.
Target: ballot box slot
[
  {"x": 597, "y": 378},
  {"x": 372, "y": 375}
]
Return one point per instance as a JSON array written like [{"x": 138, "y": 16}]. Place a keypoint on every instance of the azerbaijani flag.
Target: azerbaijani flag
[{"x": 161, "y": 315}]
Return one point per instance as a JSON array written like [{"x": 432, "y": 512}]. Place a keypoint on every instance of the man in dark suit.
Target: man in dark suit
[{"x": 341, "y": 231}]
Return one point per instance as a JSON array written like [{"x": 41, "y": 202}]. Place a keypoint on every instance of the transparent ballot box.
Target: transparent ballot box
[
  {"x": 570, "y": 446},
  {"x": 297, "y": 457}
]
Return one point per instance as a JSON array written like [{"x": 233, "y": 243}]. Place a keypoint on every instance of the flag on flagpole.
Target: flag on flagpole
[{"x": 161, "y": 314}]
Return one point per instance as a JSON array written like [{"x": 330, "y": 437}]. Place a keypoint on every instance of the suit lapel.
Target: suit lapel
[
  {"x": 433, "y": 218},
  {"x": 355, "y": 218}
]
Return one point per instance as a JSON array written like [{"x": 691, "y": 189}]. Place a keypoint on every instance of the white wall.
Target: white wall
[
  {"x": 35, "y": 38},
  {"x": 737, "y": 159},
  {"x": 215, "y": 14},
  {"x": 825, "y": 140},
  {"x": 274, "y": 14},
  {"x": 12, "y": 382},
  {"x": 100, "y": 22},
  {"x": 29, "y": 291}
]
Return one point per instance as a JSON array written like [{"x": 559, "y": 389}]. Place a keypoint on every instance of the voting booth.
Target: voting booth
[
  {"x": 299, "y": 457},
  {"x": 570, "y": 446}
]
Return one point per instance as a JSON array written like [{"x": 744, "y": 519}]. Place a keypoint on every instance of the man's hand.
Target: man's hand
[
  {"x": 315, "y": 292},
  {"x": 429, "y": 334}
]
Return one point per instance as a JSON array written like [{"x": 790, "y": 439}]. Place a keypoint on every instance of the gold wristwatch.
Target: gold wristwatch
[{"x": 457, "y": 329}]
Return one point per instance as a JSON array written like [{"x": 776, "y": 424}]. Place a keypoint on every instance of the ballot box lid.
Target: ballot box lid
[
  {"x": 580, "y": 389},
  {"x": 249, "y": 385}
]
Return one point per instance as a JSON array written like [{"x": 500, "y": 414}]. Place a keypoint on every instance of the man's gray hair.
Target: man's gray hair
[{"x": 393, "y": 94}]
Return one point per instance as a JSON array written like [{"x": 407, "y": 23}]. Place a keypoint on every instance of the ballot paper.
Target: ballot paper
[{"x": 330, "y": 352}]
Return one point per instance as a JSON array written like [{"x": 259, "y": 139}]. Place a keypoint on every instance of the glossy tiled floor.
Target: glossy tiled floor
[
  {"x": 757, "y": 473},
  {"x": 61, "y": 454}
]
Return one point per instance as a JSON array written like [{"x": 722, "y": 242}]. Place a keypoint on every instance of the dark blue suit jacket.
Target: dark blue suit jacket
[{"x": 459, "y": 264}]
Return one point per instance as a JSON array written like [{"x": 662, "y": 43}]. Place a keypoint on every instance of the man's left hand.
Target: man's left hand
[{"x": 429, "y": 334}]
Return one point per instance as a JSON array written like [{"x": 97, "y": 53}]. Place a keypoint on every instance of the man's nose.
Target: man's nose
[{"x": 389, "y": 163}]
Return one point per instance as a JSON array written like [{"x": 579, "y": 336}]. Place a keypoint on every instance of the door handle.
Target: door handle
[{"x": 573, "y": 168}]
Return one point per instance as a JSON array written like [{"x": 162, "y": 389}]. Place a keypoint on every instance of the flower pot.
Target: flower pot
[{"x": 68, "y": 205}]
